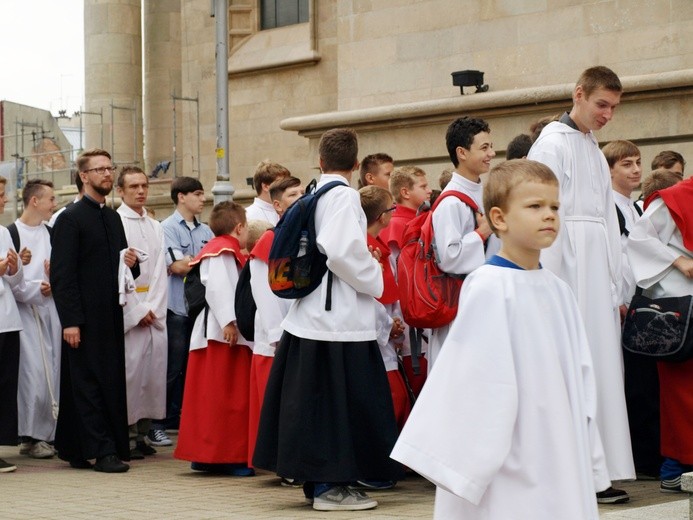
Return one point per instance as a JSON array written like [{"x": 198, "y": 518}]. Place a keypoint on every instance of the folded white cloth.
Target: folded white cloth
[{"x": 126, "y": 282}]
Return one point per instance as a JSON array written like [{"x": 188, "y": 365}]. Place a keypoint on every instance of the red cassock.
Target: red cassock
[{"x": 214, "y": 416}]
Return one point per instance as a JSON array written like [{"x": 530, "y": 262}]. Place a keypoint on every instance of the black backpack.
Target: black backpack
[
  {"x": 194, "y": 291},
  {"x": 296, "y": 266},
  {"x": 244, "y": 304}
]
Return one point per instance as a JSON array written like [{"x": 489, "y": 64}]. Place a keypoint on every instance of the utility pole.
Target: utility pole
[{"x": 222, "y": 189}]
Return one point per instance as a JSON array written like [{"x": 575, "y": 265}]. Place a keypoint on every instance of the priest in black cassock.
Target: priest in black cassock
[{"x": 87, "y": 241}]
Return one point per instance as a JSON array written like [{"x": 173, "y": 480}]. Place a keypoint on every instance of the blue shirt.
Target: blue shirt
[{"x": 180, "y": 241}]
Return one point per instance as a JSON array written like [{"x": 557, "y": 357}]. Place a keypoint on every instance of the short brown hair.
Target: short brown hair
[
  {"x": 536, "y": 127},
  {"x": 256, "y": 228},
  {"x": 507, "y": 175},
  {"x": 225, "y": 217},
  {"x": 445, "y": 178},
  {"x": 278, "y": 187},
  {"x": 34, "y": 188},
  {"x": 338, "y": 150},
  {"x": 404, "y": 177},
  {"x": 667, "y": 159},
  {"x": 659, "y": 180},
  {"x": 598, "y": 77},
  {"x": 374, "y": 201},
  {"x": 83, "y": 159},
  {"x": 617, "y": 150},
  {"x": 267, "y": 172},
  {"x": 128, "y": 170},
  {"x": 370, "y": 163}
]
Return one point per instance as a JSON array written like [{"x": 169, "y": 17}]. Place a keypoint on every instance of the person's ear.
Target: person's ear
[
  {"x": 497, "y": 218},
  {"x": 277, "y": 207},
  {"x": 369, "y": 178},
  {"x": 404, "y": 193}
]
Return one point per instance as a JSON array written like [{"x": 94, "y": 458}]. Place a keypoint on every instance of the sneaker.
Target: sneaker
[
  {"x": 612, "y": 496},
  {"x": 145, "y": 448},
  {"x": 25, "y": 447},
  {"x": 374, "y": 484},
  {"x": 41, "y": 450},
  {"x": 157, "y": 438},
  {"x": 341, "y": 498},
  {"x": 6, "y": 467},
  {"x": 291, "y": 482},
  {"x": 670, "y": 486}
]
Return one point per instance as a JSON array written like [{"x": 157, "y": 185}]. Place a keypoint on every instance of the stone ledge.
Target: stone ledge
[{"x": 506, "y": 101}]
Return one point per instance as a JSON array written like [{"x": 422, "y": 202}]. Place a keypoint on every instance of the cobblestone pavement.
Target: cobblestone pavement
[{"x": 166, "y": 488}]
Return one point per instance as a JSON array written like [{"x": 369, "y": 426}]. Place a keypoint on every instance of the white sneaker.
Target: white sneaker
[
  {"x": 342, "y": 498},
  {"x": 157, "y": 438},
  {"x": 41, "y": 450}
]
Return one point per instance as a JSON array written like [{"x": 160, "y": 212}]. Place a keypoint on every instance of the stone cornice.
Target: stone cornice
[{"x": 487, "y": 104}]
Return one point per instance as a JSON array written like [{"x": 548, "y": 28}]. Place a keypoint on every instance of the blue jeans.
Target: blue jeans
[
  {"x": 672, "y": 468},
  {"x": 179, "y": 329}
]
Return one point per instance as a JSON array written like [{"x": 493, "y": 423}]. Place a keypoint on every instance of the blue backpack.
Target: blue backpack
[{"x": 296, "y": 266}]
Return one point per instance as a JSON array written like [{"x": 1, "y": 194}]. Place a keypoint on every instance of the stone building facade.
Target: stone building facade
[{"x": 384, "y": 68}]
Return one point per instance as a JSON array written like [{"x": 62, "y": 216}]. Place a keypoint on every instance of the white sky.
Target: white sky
[{"x": 42, "y": 53}]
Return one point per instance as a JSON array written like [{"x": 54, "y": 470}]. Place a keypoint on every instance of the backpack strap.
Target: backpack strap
[
  {"x": 637, "y": 208},
  {"x": 324, "y": 189},
  {"x": 621, "y": 222},
  {"x": 14, "y": 233}
]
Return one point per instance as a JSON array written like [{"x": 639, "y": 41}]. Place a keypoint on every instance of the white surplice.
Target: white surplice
[
  {"x": 271, "y": 310},
  {"x": 146, "y": 348},
  {"x": 505, "y": 425},
  {"x": 587, "y": 255},
  {"x": 459, "y": 249},
  {"x": 40, "y": 342}
]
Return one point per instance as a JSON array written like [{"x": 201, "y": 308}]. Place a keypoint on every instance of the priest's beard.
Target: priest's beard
[{"x": 102, "y": 190}]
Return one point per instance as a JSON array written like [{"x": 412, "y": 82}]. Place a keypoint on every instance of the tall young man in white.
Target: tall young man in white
[
  {"x": 587, "y": 252},
  {"x": 144, "y": 315},
  {"x": 40, "y": 341}
]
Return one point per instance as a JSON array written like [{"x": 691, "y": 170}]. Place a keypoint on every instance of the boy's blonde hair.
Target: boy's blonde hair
[
  {"x": 617, "y": 150},
  {"x": 225, "y": 217},
  {"x": 374, "y": 201},
  {"x": 404, "y": 177},
  {"x": 504, "y": 177},
  {"x": 659, "y": 180},
  {"x": 256, "y": 228},
  {"x": 267, "y": 172}
]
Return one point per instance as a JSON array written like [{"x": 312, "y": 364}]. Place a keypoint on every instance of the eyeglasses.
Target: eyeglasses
[
  {"x": 102, "y": 170},
  {"x": 388, "y": 210}
]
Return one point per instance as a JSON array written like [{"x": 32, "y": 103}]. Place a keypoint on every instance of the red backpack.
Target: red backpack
[{"x": 428, "y": 296}]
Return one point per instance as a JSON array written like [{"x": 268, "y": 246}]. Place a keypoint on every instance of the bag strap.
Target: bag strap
[
  {"x": 14, "y": 233},
  {"x": 621, "y": 222}
]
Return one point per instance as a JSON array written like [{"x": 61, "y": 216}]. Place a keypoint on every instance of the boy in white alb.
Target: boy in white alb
[
  {"x": 11, "y": 276},
  {"x": 327, "y": 414},
  {"x": 587, "y": 253},
  {"x": 463, "y": 239},
  {"x": 271, "y": 310},
  {"x": 262, "y": 208},
  {"x": 144, "y": 315},
  {"x": 41, "y": 339},
  {"x": 513, "y": 389}
]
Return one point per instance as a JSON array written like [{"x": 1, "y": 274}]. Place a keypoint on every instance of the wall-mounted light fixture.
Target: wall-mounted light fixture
[{"x": 469, "y": 78}]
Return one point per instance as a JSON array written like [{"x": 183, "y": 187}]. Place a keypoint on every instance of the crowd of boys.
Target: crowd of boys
[{"x": 97, "y": 343}]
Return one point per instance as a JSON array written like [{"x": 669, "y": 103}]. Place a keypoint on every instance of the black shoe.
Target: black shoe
[
  {"x": 136, "y": 454},
  {"x": 7, "y": 467},
  {"x": 612, "y": 496},
  {"x": 145, "y": 448},
  {"x": 110, "y": 464},
  {"x": 81, "y": 464}
]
